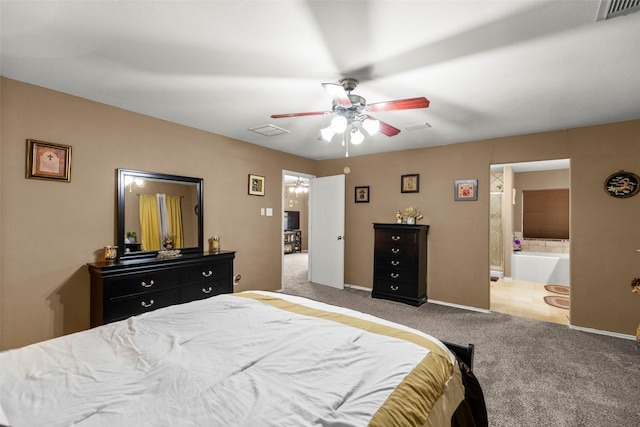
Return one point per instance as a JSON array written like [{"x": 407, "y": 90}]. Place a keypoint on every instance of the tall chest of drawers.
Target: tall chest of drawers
[
  {"x": 130, "y": 287},
  {"x": 400, "y": 263}
]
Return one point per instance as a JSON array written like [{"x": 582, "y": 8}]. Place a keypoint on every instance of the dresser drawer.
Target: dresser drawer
[
  {"x": 207, "y": 273},
  {"x": 395, "y": 274},
  {"x": 205, "y": 290},
  {"x": 395, "y": 288},
  {"x": 387, "y": 239},
  {"x": 121, "y": 308},
  {"x": 395, "y": 262},
  {"x": 138, "y": 283}
]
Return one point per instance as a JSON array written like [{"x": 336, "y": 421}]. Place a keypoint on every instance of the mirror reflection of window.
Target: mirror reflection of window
[
  {"x": 161, "y": 222},
  {"x": 174, "y": 220}
]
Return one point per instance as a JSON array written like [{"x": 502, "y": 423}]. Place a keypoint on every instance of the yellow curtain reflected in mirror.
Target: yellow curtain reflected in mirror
[
  {"x": 174, "y": 214},
  {"x": 149, "y": 222}
]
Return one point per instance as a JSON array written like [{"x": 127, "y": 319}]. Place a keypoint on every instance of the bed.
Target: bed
[{"x": 246, "y": 359}]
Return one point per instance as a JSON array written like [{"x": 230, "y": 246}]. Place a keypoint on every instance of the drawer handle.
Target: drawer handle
[
  {"x": 146, "y": 305},
  {"x": 395, "y": 275},
  {"x": 395, "y": 238},
  {"x": 148, "y": 285},
  {"x": 395, "y": 250},
  {"x": 207, "y": 291},
  {"x": 205, "y": 274},
  {"x": 394, "y": 288},
  {"x": 395, "y": 263}
]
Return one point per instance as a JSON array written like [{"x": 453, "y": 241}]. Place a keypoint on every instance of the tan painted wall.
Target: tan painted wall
[
  {"x": 50, "y": 230},
  {"x": 604, "y": 232}
]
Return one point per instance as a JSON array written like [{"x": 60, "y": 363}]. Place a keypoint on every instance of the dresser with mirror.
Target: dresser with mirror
[{"x": 161, "y": 259}]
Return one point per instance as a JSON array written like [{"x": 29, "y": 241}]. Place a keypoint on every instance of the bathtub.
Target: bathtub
[{"x": 541, "y": 267}]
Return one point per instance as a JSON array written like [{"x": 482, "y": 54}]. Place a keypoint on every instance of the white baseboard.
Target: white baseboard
[
  {"x": 464, "y": 307},
  {"x": 360, "y": 288},
  {"x": 601, "y": 332}
]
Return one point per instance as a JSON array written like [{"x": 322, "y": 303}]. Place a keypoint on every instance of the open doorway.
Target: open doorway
[
  {"x": 529, "y": 273},
  {"x": 295, "y": 228}
]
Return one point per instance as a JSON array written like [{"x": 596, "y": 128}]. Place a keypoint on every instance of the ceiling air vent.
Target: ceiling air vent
[
  {"x": 268, "y": 130},
  {"x": 613, "y": 8}
]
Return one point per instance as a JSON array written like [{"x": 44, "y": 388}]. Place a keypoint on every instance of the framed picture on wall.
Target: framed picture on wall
[
  {"x": 256, "y": 185},
  {"x": 410, "y": 183},
  {"x": 465, "y": 189},
  {"x": 362, "y": 194},
  {"x": 47, "y": 160}
]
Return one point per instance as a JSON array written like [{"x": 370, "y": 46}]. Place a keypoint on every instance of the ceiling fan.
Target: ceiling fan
[{"x": 355, "y": 110}]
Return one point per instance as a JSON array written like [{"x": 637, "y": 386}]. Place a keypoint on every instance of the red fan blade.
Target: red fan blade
[
  {"x": 401, "y": 104},
  {"x": 312, "y": 113},
  {"x": 338, "y": 94},
  {"x": 385, "y": 128}
]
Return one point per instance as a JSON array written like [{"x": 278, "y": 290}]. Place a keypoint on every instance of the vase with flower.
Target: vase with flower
[{"x": 412, "y": 214}]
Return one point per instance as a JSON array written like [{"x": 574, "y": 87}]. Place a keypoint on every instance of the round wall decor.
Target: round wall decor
[{"x": 622, "y": 184}]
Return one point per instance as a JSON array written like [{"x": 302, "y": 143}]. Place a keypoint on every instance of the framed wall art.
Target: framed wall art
[
  {"x": 362, "y": 194},
  {"x": 465, "y": 189},
  {"x": 622, "y": 184},
  {"x": 256, "y": 185},
  {"x": 410, "y": 183},
  {"x": 47, "y": 160}
]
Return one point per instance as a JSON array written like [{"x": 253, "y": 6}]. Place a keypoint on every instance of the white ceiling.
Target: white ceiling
[{"x": 489, "y": 68}]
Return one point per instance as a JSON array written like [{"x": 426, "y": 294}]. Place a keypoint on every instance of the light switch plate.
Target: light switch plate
[{"x": 269, "y": 211}]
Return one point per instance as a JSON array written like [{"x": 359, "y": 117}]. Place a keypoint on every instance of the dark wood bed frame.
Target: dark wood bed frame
[{"x": 464, "y": 353}]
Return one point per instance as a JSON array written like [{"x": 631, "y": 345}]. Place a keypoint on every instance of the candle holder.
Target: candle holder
[
  {"x": 110, "y": 253},
  {"x": 214, "y": 245}
]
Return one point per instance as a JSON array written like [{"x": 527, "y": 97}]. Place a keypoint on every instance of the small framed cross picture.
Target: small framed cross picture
[{"x": 46, "y": 160}]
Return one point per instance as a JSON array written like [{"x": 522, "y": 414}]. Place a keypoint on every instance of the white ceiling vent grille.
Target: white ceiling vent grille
[
  {"x": 268, "y": 130},
  {"x": 612, "y": 8}
]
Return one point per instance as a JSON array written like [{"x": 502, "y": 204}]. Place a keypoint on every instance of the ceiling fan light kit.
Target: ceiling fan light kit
[{"x": 352, "y": 112}]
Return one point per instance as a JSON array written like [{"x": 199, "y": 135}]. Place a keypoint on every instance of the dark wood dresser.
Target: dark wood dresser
[
  {"x": 134, "y": 286},
  {"x": 400, "y": 263}
]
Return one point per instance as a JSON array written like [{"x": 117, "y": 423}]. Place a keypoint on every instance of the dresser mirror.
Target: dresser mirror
[{"x": 158, "y": 212}]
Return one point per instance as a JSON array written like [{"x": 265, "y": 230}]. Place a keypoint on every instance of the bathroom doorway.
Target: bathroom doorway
[{"x": 512, "y": 290}]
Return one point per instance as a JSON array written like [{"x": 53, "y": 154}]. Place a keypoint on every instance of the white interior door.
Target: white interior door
[{"x": 326, "y": 231}]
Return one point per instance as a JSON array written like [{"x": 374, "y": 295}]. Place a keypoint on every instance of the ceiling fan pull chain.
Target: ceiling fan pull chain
[{"x": 346, "y": 144}]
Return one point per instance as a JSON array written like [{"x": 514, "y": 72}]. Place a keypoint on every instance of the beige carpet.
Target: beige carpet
[{"x": 533, "y": 373}]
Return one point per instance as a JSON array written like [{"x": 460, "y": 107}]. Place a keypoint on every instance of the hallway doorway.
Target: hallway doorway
[{"x": 295, "y": 225}]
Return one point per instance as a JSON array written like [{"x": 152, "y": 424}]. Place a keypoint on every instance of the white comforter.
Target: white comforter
[{"x": 224, "y": 361}]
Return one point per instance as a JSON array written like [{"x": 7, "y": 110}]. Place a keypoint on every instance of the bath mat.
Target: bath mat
[
  {"x": 557, "y": 289},
  {"x": 560, "y": 302}
]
